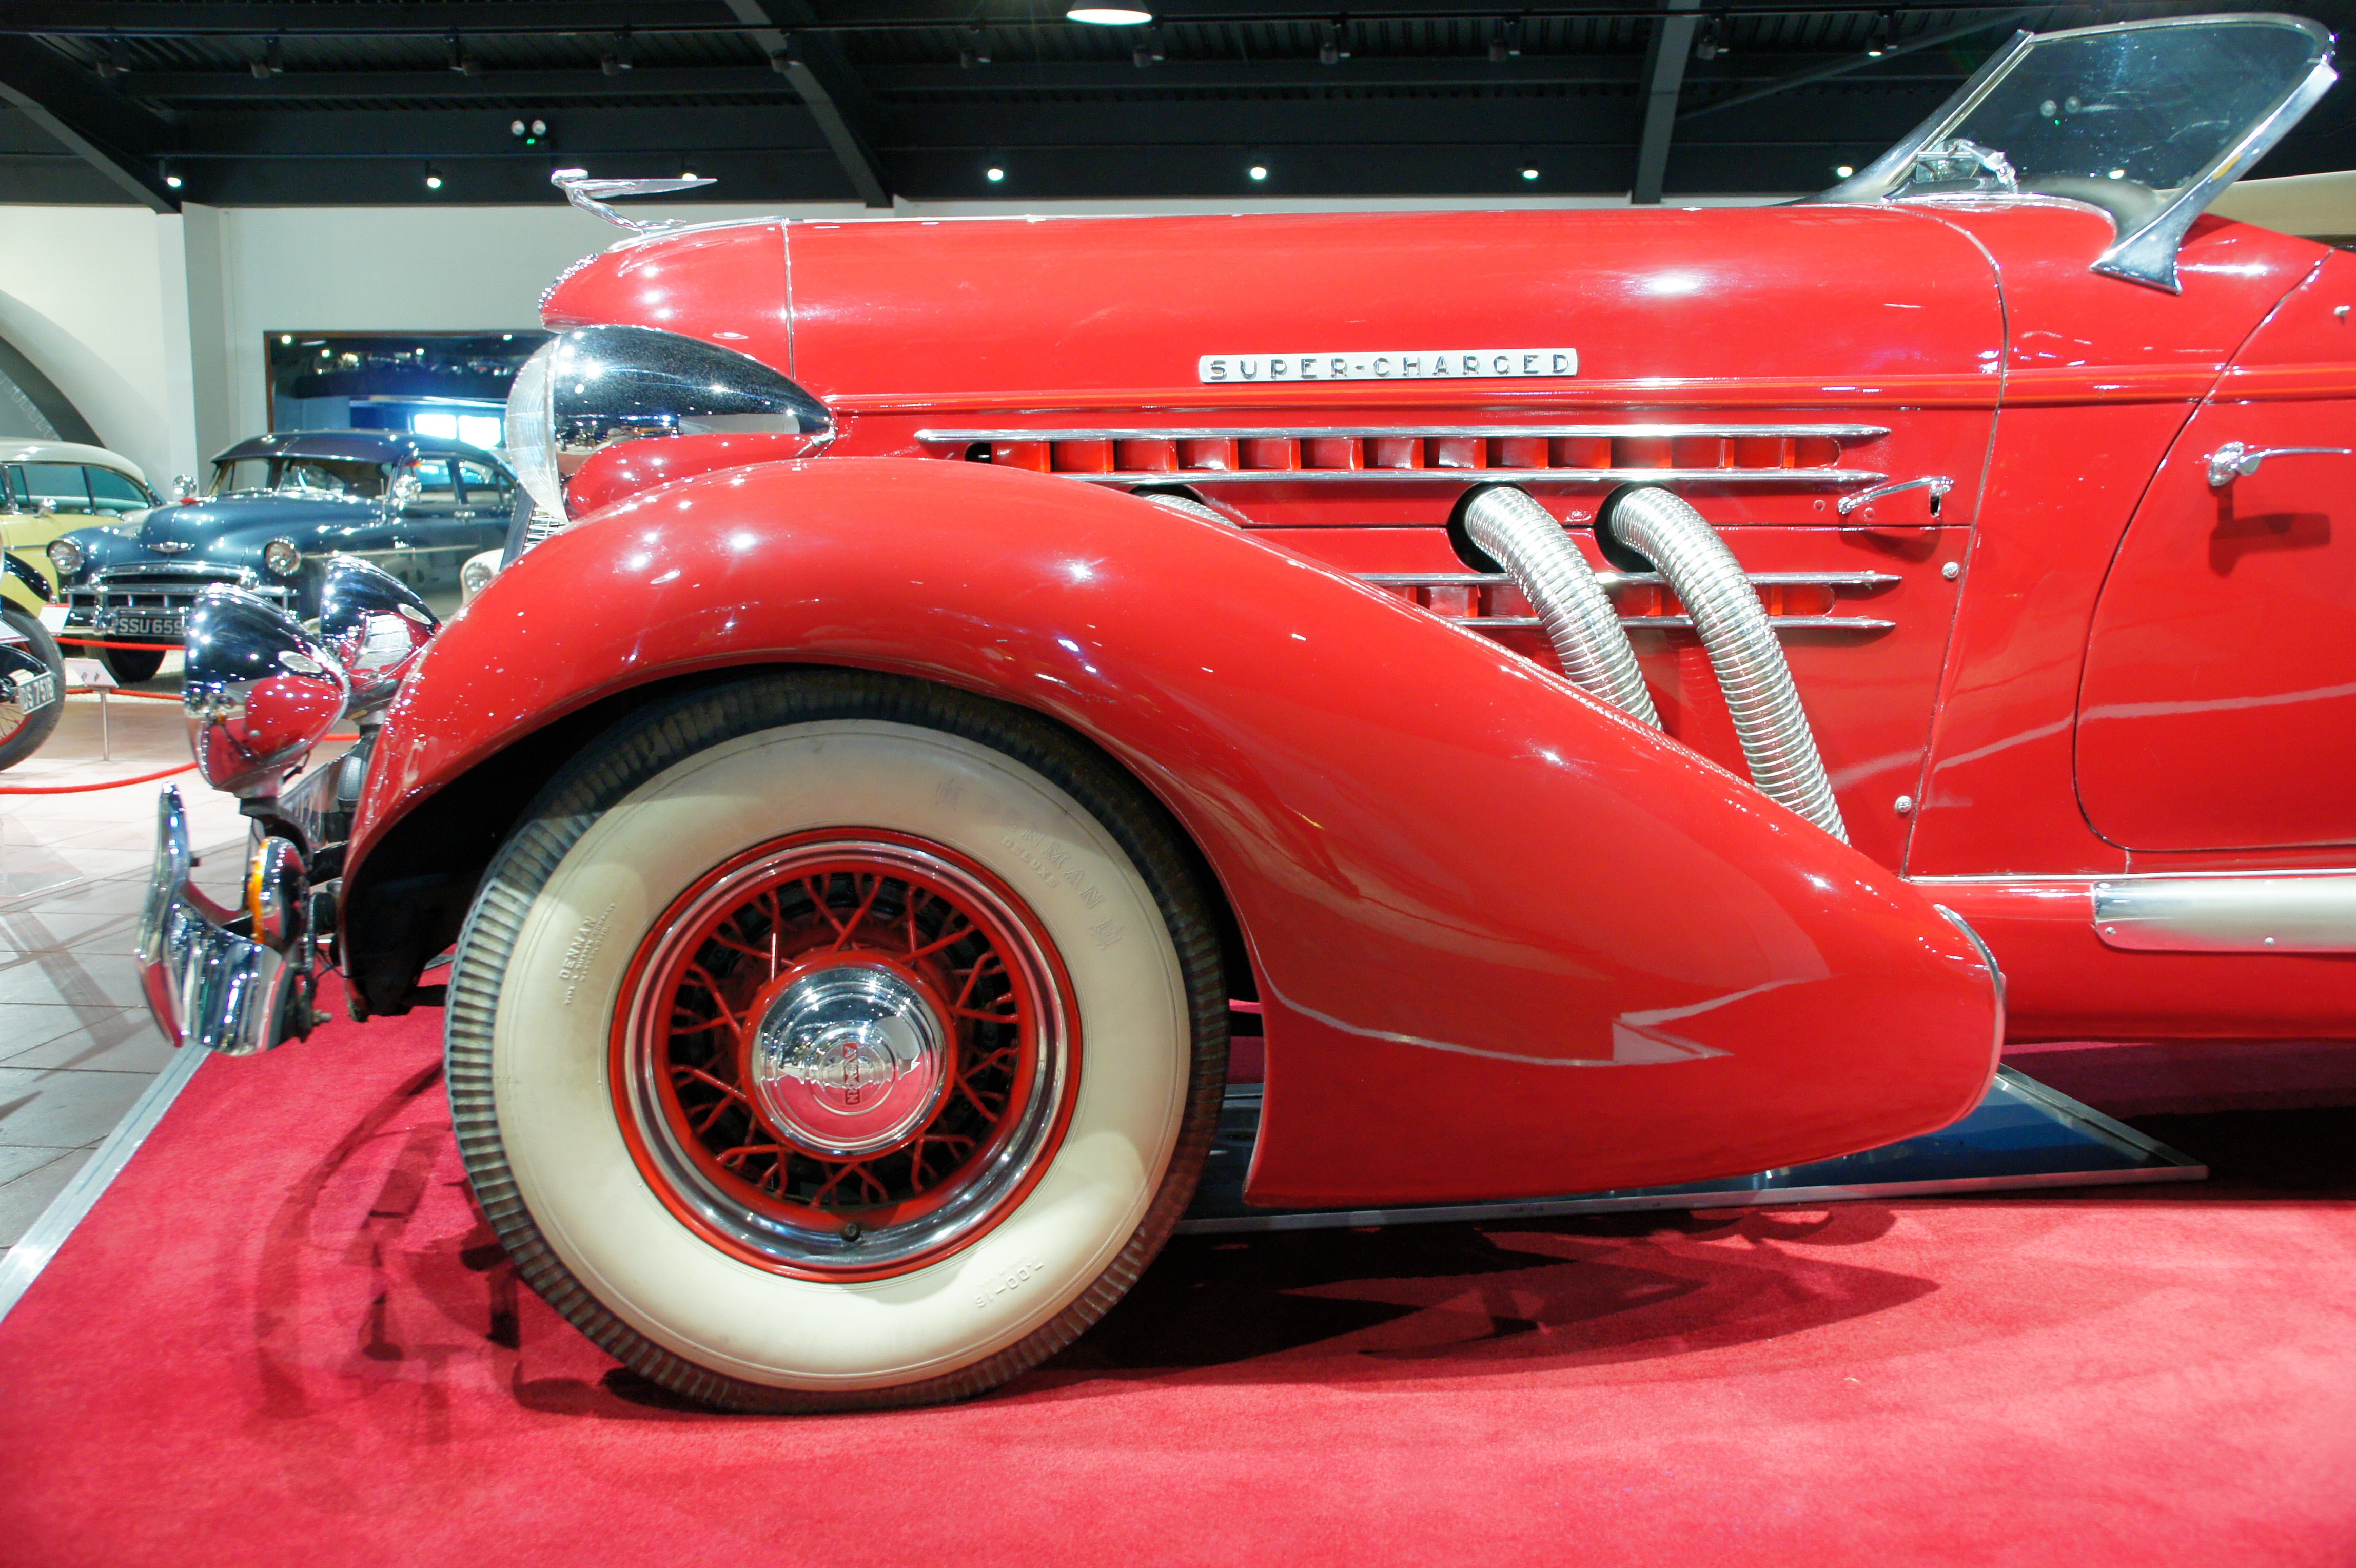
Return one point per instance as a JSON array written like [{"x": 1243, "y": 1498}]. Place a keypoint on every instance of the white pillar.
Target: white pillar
[{"x": 198, "y": 410}]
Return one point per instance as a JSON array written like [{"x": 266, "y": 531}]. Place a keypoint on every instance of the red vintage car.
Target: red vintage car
[{"x": 1595, "y": 686}]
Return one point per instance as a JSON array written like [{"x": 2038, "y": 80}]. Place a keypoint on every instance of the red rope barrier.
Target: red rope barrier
[
  {"x": 108, "y": 642},
  {"x": 82, "y": 789}
]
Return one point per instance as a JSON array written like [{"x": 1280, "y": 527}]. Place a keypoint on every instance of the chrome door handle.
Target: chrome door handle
[
  {"x": 2234, "y": 461},
  {"x": 1937, "y": 484},
  {"x": 469, "y": 512}
]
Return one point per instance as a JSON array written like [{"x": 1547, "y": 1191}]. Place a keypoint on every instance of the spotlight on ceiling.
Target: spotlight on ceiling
[
  {"x": 433, "y": 177},
  {"x": 1259, "y": 171},
  {"x": 993, "y": 175},
  {"x": 1842, "y": 171},
  {"x": 1878, "y": 43},
  {"x": 1108, "y": 15},
  {"x": 1530, "y": 174}
]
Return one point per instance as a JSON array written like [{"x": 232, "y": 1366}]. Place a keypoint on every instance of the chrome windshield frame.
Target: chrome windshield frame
[{"x": 2145, "y": 253}]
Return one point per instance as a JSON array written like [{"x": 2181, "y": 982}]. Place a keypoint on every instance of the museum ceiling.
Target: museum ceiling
[{"x": 372, "y": 101}]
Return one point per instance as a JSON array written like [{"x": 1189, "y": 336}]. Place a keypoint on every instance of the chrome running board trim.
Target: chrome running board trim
[{"x": 2285, "y": 914}]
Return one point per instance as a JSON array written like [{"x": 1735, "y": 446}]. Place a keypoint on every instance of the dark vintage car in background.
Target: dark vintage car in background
[{"x": 416, "y": 506}]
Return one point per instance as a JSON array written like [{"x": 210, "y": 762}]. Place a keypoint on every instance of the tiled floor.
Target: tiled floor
[{"x": 76, "y": 1044}]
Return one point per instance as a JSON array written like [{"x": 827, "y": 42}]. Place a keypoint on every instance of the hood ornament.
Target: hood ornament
[{"x": 591, "y": 196}]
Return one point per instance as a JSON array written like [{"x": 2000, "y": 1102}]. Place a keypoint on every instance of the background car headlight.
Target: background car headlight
[
  {"x": 67, "y": 556},
  {"x": 282, "y": 557},
  {"x": 477, "y": 575}
]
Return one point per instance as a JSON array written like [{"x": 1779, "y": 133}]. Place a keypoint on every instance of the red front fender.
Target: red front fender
[{"x": 1509, "y": 942}]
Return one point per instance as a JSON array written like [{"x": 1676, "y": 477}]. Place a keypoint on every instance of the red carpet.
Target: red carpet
[{"x": 284, "y": 1337}]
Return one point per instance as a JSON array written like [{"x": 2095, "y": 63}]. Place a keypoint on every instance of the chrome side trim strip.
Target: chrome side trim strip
[
  {"x": 1685, "y": 623},
  {"x": 1595, "y": 477},
  {"x": 1630, "y": 579},
  {"x": 30, "y": 1255},
  {"x": 2304, "y": 914},
  {"x": 1415, "y": 431}
]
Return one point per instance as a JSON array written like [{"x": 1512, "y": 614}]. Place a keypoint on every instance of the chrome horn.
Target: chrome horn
[
  {"x": 259, "y": 693},
  {"x": 376, "y": 625}
]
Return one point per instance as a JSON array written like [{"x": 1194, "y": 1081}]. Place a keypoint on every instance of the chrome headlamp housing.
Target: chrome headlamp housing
[
  {"x": 594, "y": 387},
  {"x": 68, "y": 556},
  {"x": 259, "y": 693},
  {"x": 376, "y": 625},
  {"x": 283, "y": 556}
]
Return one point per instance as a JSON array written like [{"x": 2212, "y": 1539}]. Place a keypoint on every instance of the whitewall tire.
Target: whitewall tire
[{"x": 824, "y": 1039}]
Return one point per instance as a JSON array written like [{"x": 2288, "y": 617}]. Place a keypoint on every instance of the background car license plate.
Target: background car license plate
[
  {"x": 37, "y": 692},
  {"x": 147, "y": 626}
]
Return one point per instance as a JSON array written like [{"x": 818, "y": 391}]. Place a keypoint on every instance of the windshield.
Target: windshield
[
  {"x": 327, "y": 476},
  {"x": 2147, "y": 121},
  {"x": 2154, "y": 107}
]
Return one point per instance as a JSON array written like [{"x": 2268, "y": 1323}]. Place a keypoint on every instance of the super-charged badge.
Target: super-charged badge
[{"x": 1444, "y": 364}]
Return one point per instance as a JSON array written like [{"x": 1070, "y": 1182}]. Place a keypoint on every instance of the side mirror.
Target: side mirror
[
  {"x": 259, "y": 692},
  {"x": 184, "y": 489},
  {"x": 48, "y": 506},
  {"x": 407, "y": 489},
  {"x": 375, "y": 626}
]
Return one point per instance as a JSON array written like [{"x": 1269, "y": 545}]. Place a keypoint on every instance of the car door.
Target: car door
[
  {"x": 487, "y": 495},
  {"x": 2217, "y": 710},
  {"x": 429, "y": 544}
]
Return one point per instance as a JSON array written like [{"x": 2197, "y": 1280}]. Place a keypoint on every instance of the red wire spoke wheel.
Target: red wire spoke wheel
[
  {"x": 827, "y": 1040},
  {"x": 844, "y": 1054}
]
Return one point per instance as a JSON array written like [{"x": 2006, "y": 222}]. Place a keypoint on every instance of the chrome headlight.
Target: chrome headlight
[
  {"x": 259, "y": 693},
  {"x": 594, "y": 386},
  {"x": 477, "y": 575},
  {"x": 283, "y": 557},
  {"x": 68, "y": 557},
  {"x": 376, "y": 625}
]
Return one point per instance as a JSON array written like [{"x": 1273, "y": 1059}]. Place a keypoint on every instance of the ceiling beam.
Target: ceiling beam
[
  {"x": 1672, "y": 47},
  {"x": 829, "y": 88},
  {"x": 1057, "y": 76},
  {"x": 117, "y": 137},
  {"x": 1832, "y": 69},
  {"x": 173, "y": 18}
]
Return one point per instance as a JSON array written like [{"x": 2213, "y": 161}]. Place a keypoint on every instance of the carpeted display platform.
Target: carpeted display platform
[{"x": 284, "y": 1337}]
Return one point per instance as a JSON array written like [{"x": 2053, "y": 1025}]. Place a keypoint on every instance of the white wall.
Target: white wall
[
  {"x": 83, "y": 295},
  {"x": 155, "y": 325}
]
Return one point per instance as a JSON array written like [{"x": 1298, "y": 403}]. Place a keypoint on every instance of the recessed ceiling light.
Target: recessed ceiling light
[
  {"x": 1108, "y": 15},
  {"x": 1259, "y": 171},
  {"x": 994, "y": 175},
  {"x": 433, "y": 177},
  {"x": 1530, "y": 174},
  {"x": 1842, "y": 171},
  {"x": 286, "y": 337}
]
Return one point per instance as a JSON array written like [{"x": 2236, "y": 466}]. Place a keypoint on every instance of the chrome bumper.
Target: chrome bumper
[{"x": 207, "y": 983}]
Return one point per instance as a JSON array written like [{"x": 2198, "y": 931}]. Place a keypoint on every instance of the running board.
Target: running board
[{"x": 2024, "y": 1136}]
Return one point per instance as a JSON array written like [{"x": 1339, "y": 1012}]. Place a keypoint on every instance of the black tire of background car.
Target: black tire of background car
[
  {"x": 658, "y": 738},
  {"x": 34, "y": 732},
  {"x": 129, "y": 665}
]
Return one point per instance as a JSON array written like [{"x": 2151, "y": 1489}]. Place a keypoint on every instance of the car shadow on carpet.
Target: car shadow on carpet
[{"x": 1422, "y": 1301}]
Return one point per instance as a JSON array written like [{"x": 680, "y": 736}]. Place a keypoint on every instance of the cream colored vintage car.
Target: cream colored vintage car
[{"x": 49, "y": 488}]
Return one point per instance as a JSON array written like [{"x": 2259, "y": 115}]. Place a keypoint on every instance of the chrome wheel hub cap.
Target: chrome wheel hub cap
[{"x": 851, "y": 1059}]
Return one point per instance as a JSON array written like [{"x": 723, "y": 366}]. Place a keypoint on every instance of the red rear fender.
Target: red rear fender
[{"x": 1508, "y": 941}]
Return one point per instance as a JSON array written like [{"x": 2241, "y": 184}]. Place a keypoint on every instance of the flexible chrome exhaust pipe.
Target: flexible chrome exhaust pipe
[
  {"x": 1525, "y": 539},
  {"x": 1777, "y": 743}
]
